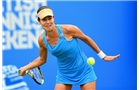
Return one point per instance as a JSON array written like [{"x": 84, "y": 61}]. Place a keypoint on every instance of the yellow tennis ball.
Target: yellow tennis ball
[{"x": 90, "y": 61}]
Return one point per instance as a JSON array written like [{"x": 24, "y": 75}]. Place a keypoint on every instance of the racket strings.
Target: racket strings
[{"x": 37, "y": 75}]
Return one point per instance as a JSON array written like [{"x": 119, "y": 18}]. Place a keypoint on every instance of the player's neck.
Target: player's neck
[{"x": 52, "y": 33}]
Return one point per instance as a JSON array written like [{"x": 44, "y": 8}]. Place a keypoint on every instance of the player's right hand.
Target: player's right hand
[{"x": 22, "y": 71}]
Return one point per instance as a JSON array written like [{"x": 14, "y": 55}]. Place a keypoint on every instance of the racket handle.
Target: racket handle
[{"x": 19, "y": 72}]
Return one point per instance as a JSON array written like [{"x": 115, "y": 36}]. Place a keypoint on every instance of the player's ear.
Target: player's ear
[
  {"x": 38, "y": 19},
  {"x": 53, "y": 16}
]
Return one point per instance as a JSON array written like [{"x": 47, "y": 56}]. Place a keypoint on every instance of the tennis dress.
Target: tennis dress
[{"x": 71, "y": 61}]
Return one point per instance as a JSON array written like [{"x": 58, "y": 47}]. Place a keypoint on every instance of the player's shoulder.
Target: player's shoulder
[
  {"x": 68, "y": 27},
  {"x": 41, "y": 36},
  {"x": 40, "y": 39}
]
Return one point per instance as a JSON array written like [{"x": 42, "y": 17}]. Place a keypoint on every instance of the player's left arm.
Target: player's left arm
[{"x": 77, "y": 33}]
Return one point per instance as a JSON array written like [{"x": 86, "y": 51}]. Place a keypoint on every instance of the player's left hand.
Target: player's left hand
[{"x": 110, "y": 58}]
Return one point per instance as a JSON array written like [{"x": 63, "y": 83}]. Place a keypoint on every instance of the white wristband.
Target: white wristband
[{"x": 101, "y": 54}]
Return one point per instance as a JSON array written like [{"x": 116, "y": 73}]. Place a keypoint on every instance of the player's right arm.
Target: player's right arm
[{"x": 38, "y": 61}]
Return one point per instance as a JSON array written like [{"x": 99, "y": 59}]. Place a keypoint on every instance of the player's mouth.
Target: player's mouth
[{"x": 48, "y": 26}]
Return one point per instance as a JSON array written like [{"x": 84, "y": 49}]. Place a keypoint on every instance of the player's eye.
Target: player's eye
[{"x": 49, "y": 17}]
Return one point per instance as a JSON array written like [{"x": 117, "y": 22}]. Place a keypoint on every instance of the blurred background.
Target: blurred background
[{"x": 111, "y": 24}]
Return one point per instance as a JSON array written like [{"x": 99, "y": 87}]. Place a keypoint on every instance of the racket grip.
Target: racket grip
[{"x": 19, "y": 72}]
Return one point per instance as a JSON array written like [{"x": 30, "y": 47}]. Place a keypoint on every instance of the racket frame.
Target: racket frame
[{"x": 30, "y": 73}]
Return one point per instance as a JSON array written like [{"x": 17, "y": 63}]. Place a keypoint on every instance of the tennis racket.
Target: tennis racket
[{"x": 35, "y": 74}]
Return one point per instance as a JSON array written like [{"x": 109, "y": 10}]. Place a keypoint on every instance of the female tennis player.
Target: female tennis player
[{"x": 61, "y": 41}]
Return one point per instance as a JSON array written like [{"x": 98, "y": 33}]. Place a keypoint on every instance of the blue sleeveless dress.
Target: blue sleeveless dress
[{"x": 71, "y": 61}]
